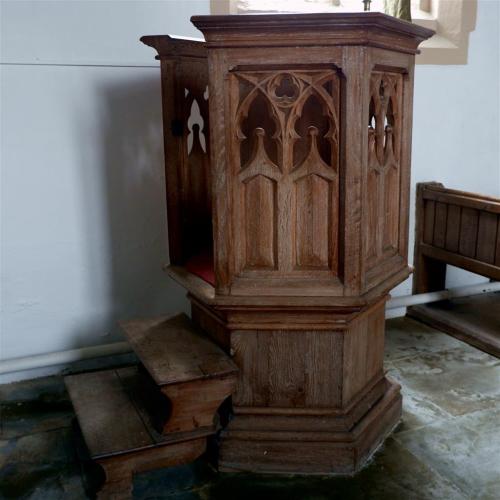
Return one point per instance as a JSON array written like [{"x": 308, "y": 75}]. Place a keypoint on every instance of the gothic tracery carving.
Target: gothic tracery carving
[
  {"x": 287, "y": 127},
  {"x": 383, "y": 191}
]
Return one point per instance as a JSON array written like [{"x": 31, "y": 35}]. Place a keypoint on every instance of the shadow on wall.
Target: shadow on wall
[{"x": 133, "y": 205}]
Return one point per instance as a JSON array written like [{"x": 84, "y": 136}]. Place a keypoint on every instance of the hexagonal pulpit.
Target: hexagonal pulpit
[{"x": 288, "y": 141}]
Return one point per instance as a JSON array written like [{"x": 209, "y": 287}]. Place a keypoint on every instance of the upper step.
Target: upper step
[{"x": 173, "y": 350}]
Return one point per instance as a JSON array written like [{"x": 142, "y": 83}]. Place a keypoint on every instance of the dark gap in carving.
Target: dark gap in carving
[
  {"x": 388, "y": 122},
  {"x": 381, "y": 90},
  {"x": 287, "y": 88},
  {"x": 390, "y": 114},
  {"x": 371, "y": 115},
  {"x": 328, "y": 86},
  {"x": 244, "y": 88},
  {"x": 259, "y": 116},
  {"x": 312, "y": 115}
]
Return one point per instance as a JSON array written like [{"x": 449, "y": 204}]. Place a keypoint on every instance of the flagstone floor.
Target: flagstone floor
[{"x": 447, "y": 446}]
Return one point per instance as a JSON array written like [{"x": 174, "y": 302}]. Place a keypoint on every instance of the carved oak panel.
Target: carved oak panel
[
  {"x": 285, "y": 161},
  {"x": 384, "y": 167}
]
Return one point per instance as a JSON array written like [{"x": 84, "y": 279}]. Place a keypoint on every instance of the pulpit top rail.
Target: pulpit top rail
[
  {"x": 173, "y": 45},
  {"x": 369, "y": 28}
]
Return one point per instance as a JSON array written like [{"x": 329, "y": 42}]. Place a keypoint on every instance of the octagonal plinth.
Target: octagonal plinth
[
  {"x": 263, "y": 443},
  {"x": 311, "y": 395}
]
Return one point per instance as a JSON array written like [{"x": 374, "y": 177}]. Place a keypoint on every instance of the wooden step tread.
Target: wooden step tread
[
  {"x": 112, "y": 416},
  {"x": 475, "y": 319},
  {"x": 173, "y": 350}
]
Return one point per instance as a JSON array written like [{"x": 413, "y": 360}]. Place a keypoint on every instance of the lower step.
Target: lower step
[{"x": 118, "y": 432}]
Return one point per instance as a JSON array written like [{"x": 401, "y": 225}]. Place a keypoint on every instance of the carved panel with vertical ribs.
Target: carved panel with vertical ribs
[
  {"x": 384, "y": 149},
  {"x": 286, "y": 170}
]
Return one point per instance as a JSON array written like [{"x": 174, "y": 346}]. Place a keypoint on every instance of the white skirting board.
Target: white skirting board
[{"x": 43, "y": 364}]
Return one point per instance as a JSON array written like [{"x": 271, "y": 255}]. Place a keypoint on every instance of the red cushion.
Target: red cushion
[{"x": 202, "y": 266}]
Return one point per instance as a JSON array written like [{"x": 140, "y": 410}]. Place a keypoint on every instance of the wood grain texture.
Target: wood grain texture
[
  {"x": 173, "y": 350},
  {"x": 312, "y": 450},
  {"x": 384, "y": 146},
  {"x": 468, "y": 237},
  {"x": 363, "y": 352},
  {"x": 457, "y": 228},
  {"x": 98, "y": 397},
  {"x": 285, "y": 157},
  {"x": 184, "y": 76},
  {"x": 288, "y": 369},
  {"x": 194, "y": 374},
  {"x": 289, "y": 148},
  {"x": 211, "y": 322},
  {"x": 118, "y": 430},
  {"x": 311, "y": 29},
  {"x": 119, "y": 470}
]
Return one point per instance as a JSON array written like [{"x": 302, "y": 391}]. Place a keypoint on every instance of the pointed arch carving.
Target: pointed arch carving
[
  {"x": 384, "y": 151},
  {"x": 286, "y": 130}
]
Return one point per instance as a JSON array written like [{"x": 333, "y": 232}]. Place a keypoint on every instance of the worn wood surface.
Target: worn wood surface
[
  {"x": 184, "y": 77},
  {"x": 99, "y": 397},
  {"x": 301, "y": 371},
  {"x": 119, "y": 470},
  {"x": 110, "y": 477},
  {"x": 192, "y": 372},
  {"x": 194, "y": 404},
  {"x": 118, "y": 430},
  {"x": 475, "y": 320},
  {"x": 266, "y": 31},
  {"x": 311, "y": 450},
  {"x": 173, "y": 350}
]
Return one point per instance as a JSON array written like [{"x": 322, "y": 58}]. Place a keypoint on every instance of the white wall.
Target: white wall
[
  {"x": 456, "y": 124},
  {"x": 82, "y": 201}
]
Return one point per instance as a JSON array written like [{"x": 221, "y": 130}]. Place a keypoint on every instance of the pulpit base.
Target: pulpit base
[{"x": 312, "y": 451}]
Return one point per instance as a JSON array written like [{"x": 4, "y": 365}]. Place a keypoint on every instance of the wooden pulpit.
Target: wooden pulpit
[{"x": 287, "y": 160}]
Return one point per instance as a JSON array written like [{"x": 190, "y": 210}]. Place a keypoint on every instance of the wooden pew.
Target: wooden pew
[{"x": 461, "y": 229}]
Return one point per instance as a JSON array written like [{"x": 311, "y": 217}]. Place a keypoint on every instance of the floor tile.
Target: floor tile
[
  {"x": 174, "y": 480},
  {"x": 448, "y": 446},
  {"x": 41, "y": 465},
  {"x": 29, "y": 417},
  {"x": 40, "y": 389},
  {"x": 469, "y": 458},
  {"x": 458, "y": 381},
  {"x": 406, "y": 337}
]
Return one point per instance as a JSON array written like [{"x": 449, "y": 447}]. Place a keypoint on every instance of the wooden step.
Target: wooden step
[
  {"x": 118, "y": 433},
  {"x": 192, "y": 372}
]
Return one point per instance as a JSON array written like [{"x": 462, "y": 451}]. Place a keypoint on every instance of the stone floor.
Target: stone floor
[{"x": 447, "y": 447}]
